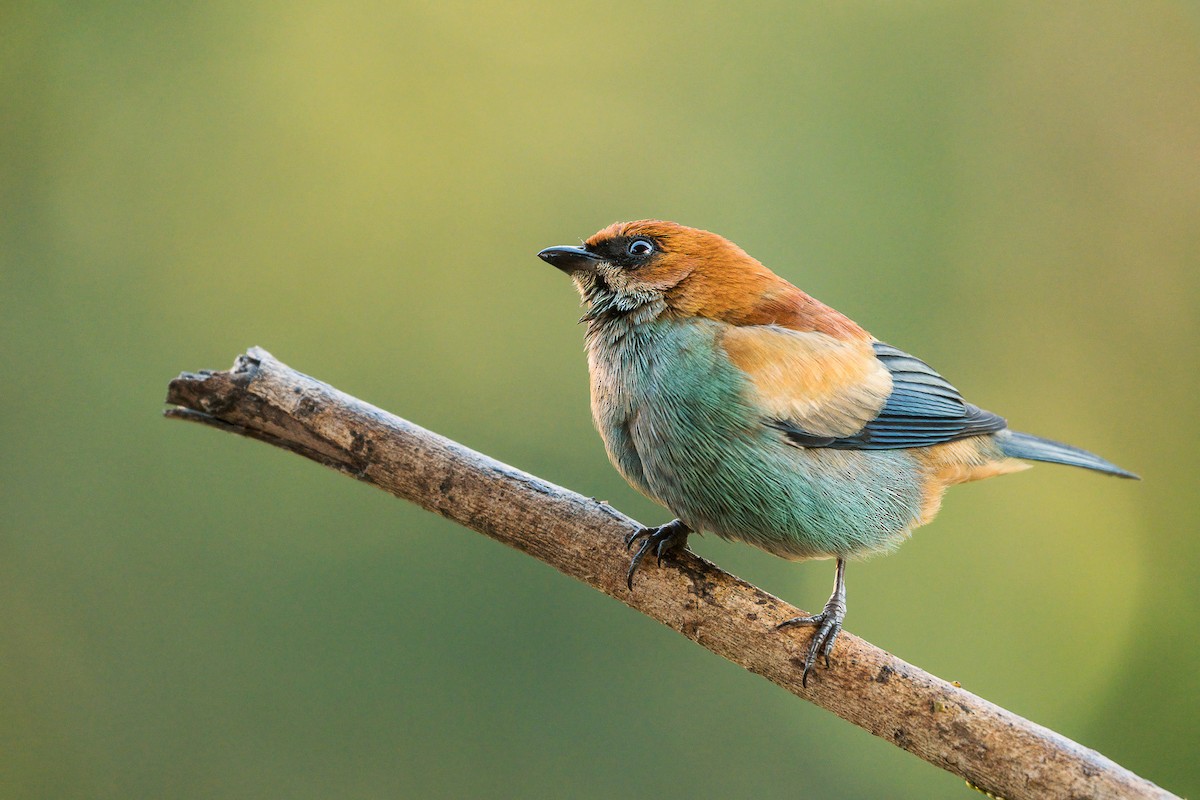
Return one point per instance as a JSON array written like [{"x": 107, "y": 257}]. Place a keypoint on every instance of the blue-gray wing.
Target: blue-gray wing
[{"x": 922, "y": 410}]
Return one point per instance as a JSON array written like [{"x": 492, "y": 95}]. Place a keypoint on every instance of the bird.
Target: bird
[{"x": 751, "y": 410}]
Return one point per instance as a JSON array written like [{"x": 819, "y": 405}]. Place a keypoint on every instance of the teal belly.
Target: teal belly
[{"x": 675, "y": 421}]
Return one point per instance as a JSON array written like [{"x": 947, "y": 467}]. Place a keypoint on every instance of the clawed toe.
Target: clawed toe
[
  {"x": 828, "y": 625},
  {"x": 662, "y": 539},
  {"x": 638, "y": 534}
]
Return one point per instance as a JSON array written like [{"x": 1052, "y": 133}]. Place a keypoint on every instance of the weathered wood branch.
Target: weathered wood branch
[{"x": 990, "y": 747}]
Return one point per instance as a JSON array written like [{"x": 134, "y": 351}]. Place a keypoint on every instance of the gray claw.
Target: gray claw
[
  {"x": 828, "y": 624},
  {"x": 663, "y": 539}
]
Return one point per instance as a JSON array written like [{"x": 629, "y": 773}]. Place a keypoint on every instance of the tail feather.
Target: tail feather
[{"x": 1035, "y": 448}]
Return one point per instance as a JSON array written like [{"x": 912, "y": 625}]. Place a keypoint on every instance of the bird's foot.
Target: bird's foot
[
  {"x": 828, "y": 625},
  {"x": 662, "y": 540}
]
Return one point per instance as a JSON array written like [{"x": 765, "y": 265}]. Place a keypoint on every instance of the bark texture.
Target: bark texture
[{"x": 993, "y": 749}]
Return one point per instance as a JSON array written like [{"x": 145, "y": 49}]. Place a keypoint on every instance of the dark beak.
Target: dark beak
[{"x": 569, "y": 259}]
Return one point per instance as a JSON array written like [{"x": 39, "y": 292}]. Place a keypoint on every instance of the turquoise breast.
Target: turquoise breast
[{"x": 676, "y": 422}]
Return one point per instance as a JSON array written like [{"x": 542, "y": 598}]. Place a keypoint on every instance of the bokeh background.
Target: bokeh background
[{"x": 1010, "y": 190}]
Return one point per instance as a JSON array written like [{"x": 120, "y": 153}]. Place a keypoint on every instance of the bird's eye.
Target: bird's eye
[{"x": 640, "y": 247}]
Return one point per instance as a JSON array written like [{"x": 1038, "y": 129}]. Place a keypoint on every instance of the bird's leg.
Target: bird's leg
[
  {"x": 828, "y": 623},
  {"x": 662, "y": 539}
]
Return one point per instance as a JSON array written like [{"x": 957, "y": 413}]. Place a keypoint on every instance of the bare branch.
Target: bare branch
[{"x": 993, "y": 749}]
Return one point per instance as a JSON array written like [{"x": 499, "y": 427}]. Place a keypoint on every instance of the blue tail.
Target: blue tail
[{"x": 1034, "y": 448}]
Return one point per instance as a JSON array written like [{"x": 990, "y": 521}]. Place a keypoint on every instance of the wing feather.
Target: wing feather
[
  {"x": 923, "y": 409},
  {"x": 822, "y": 385}
]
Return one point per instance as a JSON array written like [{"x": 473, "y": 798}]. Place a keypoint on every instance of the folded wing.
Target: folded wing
[
  {"x": 922, "y": 410},
  {"x": 826, "y": 392}
]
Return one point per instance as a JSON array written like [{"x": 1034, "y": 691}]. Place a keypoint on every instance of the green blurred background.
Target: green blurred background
[{"x": 1011, "y": 191}]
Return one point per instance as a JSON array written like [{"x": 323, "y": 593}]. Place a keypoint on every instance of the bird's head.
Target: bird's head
[
  {"x": 651, "y": 268},
  {"x": 652, "y": 264}
]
